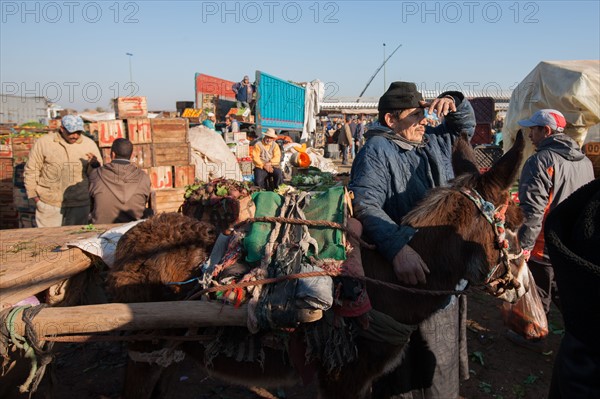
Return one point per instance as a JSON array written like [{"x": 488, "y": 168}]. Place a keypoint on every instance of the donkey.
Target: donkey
[{"x": 471, "y": 224}]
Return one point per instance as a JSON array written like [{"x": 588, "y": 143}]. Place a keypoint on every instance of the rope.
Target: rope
[
  {"x": 273, "y": 280},
  {"x": 136, "y": 337},
  {"x": 29, "y": 344},
  {"x": 311, "y": 223}
]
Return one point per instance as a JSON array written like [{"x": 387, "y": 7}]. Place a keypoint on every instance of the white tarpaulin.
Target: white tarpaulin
[
  {"x": 571, "y": 87},
  {"x": 315, "y": 91},
  {"x": 211, "y": 156}
]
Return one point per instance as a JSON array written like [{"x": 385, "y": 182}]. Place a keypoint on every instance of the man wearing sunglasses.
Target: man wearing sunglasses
[
  {"x": 56, "y": 175},
  {"x": 401, "y": 160}
]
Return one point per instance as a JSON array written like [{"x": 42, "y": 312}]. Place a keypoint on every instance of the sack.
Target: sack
[{"x": 526, "y": 317}]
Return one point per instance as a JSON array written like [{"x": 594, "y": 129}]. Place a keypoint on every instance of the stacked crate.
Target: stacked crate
[
  {"x": 160, "y": 147},
  {"x": 240, "y": 145},
  {"x": 9, "y": 218},
  {"x": 16, "y": 210}
]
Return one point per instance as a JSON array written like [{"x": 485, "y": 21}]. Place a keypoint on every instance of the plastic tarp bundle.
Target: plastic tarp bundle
[
  {"x": 571, "y": 87},
  {"x": 317, "y": 158},
  {"x": 328, "y": 206},
  {"x": 211, "y": 156}
]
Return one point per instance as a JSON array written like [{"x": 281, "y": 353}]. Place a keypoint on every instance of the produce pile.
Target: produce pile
[
  {"x": 314, "y": 180},
  {"x": 219, "y": 201}
]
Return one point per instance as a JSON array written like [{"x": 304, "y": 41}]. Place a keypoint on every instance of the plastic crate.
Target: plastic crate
[
  {"x": 246, "y": 167},
  {"x": 228, "y": 136},
  {"x": 487, "y": 155},
  {"x": 243, "y": 150}
]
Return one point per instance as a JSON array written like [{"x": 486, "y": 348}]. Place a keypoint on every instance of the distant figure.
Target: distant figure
[
  {"x": 243, "y": 92},
  {"x": 266, "y": 156},
  {"x": 209, "y": 122},
  {"x": 549, "y": 176},
  {"x": 119, "y": 190},
  {"x": 231, "y": 125},
  {"x": 359, "y": 135},
  {"x": 56, "y": 175},
  {"x": 344, "y": 141}
]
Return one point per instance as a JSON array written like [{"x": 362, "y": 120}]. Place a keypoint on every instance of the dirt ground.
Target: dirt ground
[{"x": 499, "y": 369}]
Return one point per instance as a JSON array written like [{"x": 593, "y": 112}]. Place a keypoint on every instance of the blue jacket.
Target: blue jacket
[
  {"x": 390, "y": 175},
  {"x": 243, "y": 92}
]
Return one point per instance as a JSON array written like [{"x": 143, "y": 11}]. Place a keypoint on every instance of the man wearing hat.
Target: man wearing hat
[
  {"x": 243, "y": 92},
  {"x": 266, "y": 156},
  {"x": 56, "y": 175},
  {"x": 210, "y": 120},
  {"x": 549, "y": 176},
  {"x": 401, "y": 160}
]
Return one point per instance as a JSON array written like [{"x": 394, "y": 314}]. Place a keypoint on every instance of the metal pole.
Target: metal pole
[
  {"x": 384, "y": 75},
  {"x": 130, "y": 74}
]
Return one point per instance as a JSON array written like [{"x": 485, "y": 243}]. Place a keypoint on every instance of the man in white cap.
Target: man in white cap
[
  {"x": 266, "y": 156},
  {"x": 56, "y": 175},
  {"x": 209, "y": 122},
  {"x": 549, "y": 176}
]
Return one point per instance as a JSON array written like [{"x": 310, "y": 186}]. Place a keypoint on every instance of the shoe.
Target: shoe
[{"x": 536, "y": 345}]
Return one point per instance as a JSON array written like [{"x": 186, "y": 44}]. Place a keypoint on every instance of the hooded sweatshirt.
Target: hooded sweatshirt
[
  {"x": 120, "y": 192},
  {"x": 549, "y": 176}
]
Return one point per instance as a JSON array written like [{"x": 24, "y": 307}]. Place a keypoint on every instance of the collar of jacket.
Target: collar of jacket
[
  {"x": 58, "y": 138},
  {"x": 121, "y": 160},
  {"x": 380, "y": 130}
]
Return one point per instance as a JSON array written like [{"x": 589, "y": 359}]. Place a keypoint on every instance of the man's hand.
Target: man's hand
[
  {"x": 409, "y": 267},
  {"x": 268, "y": 167},
  {"x": 36, "y": 199},
  {"x": 441, "y": 106},
  {"x": 92, "y": 160}
]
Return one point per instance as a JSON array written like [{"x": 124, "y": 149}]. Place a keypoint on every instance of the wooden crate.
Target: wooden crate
[
  {"x": 5, "y": 147},
  {"x": 169, "y": 130},
  {"x": 168, "y": 200},
  {"x": 6, "y": 170},
  {"x": 22, "y": 145},
  {"x": 109, "y": 131},
  {"x": 183, "y": 175},
  {"x": 141, "y": 156},
  {"x": 161, "y": 177},
  {"x": 171, "y": 154},
  {"x": 592, "y": 151},
  {"x": 130, "y": 107},
  {"x": 139, "y": 131}
]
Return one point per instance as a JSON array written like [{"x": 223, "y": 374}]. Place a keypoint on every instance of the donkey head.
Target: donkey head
[{"x": 505, "y": 274}]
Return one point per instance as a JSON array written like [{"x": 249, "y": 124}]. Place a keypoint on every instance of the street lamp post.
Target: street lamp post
[
  {"x": 130, "y": 74},
  {"x": 384, "y": 77}
]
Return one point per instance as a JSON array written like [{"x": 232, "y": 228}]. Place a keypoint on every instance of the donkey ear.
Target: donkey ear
[
  {"x": 504, "y": 172},
  {"x": 463, "y": 157}
]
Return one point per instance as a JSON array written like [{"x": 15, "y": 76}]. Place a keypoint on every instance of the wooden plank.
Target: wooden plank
[
  {"x": 133, "y": 316},
  {"x": 109, "y": 131},
  {"x": 130, "y": 107},
  {"x": 31, "y": 260},
  {"x": 161, "y": 177},
  {"x": 139, "y": 131},
  {"x": 169, "y": 130},
  {"x": 171, "y": 154},
  {"x": 170, "y": 195},
  {"x": 183, "y": 175}
]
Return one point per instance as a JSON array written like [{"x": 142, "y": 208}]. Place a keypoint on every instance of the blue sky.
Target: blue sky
[{"x": 74, "y": 52}]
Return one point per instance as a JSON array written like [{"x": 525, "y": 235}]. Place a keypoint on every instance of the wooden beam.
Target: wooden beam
[
  {"x": 132, "y": 317},
  {"x": 32, "y": 260}
]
